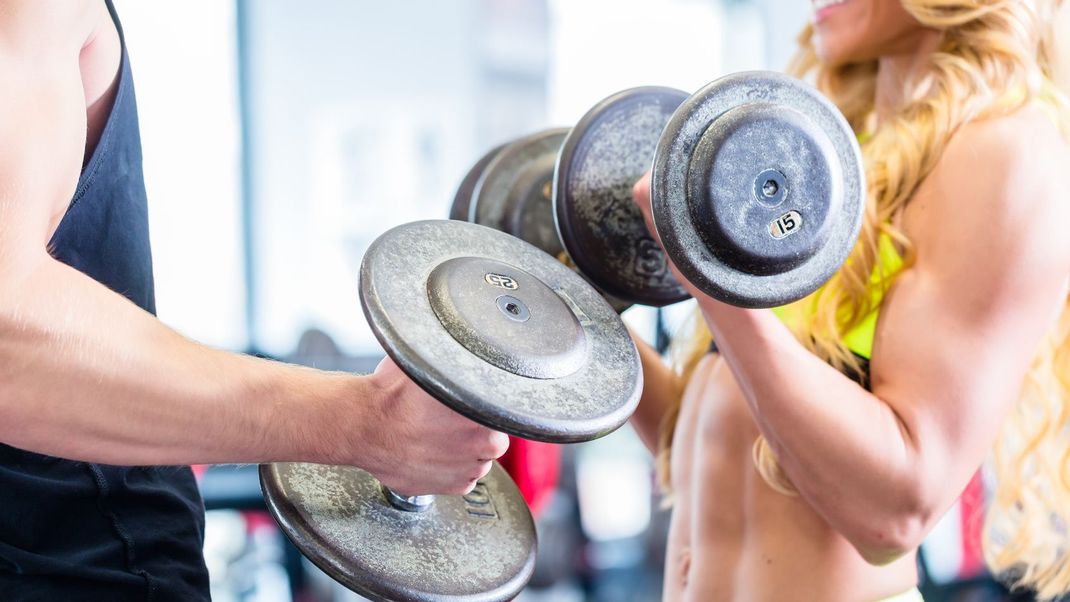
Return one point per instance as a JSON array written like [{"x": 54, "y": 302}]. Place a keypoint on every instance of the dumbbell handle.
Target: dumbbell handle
[{"x": 410, "y": 503}]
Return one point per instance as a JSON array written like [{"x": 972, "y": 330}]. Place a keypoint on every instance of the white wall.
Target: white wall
[
  {"x": 184, "y": 63},
  {"x": 603, "y": 46},
  {"x": 365, "y": 115}
]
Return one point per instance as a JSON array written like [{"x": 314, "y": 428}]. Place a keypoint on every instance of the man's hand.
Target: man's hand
[{"x": 416, "y": 445}]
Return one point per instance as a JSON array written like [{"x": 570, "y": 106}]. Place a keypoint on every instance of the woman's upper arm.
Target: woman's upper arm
[{"x": 960, "y": 328}]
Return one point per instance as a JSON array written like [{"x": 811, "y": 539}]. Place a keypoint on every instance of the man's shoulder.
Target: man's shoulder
[{"x": 49, "y": 24}]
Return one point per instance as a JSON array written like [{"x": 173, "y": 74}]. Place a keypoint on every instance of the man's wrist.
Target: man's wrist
[{"x": 309, "y": 415}]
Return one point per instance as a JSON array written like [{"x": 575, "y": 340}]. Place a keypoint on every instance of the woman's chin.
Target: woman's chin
[
  {"x": 841, "y": 50},
  {"x": 830, "y": 56}
]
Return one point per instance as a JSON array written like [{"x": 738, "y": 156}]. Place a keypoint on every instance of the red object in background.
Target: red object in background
[
  {"x": 256, "y": 520},
  {"x": 971, "y": 517},
  {"x": 536, "y": 467}
]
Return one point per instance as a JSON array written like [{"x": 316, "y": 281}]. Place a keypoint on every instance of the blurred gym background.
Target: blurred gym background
[{"x": 281, "y": 137}]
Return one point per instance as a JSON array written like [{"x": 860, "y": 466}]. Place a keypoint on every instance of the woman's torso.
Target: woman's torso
[{"x": 732, "y": 537}]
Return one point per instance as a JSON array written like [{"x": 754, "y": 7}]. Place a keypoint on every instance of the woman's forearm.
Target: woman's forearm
[{"x": 661, "y": 389}]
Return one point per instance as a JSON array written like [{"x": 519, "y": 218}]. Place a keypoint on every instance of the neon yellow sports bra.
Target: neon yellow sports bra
[{"x": 860, "y": 338}]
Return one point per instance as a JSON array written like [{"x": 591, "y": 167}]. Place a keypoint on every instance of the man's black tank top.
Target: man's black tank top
[{"x": 80, "y": 531}]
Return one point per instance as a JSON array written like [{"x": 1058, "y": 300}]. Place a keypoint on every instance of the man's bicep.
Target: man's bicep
[{"x": 42, "y": 131}]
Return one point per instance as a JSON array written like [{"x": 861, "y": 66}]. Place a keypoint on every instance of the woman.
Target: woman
[{"x": 809, "y": 458}]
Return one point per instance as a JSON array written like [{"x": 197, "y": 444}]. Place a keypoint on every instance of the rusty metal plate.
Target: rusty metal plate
[
  {"x": 758, "y": 189},
  {"x": 462, "y": 199},
  {"x": 600, "y": 226},
  {"x": 568, "y": 372},
  {"x": 513, "y": 194},
  {"x": 476, "y": 548}
]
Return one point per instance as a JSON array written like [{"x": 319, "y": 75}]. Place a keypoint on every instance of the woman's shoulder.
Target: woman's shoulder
[
  {"x": 1004, "y": 170},
  {"x": 1030, "y": 129},
  {"x": 1005, "y": 147},
  {"x": 994, "y": 205}
]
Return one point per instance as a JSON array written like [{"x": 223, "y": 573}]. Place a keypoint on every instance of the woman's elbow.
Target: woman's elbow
[
  {"x": 885, "y": 529},
  {"x": 885, "y": 540}
]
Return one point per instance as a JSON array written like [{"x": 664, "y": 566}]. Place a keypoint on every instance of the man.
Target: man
[{"x": 87, "y": 374}]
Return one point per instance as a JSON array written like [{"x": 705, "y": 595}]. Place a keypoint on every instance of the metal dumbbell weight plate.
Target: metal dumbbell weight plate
[
  {"x": 513, "y": 192},
  {"x": 518, "y": 192},
  {"x": 462, "y": 200},
  {"x": 479, "y": 547},
  {"x": 532, "y": 351},
  {"x": 758, "y": 189},
  {"x": 602, "y": 158}
]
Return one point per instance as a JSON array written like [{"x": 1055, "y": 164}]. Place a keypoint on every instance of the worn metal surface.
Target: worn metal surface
[
  {"x": 529, "y": 213},
  {"x": 603, "y": 231},
  {"x": 533, "y": 333},
  {"x": 717, "y": 230},
  {"x": 518, "y": 198},
  {"x": 476, "y": 548},
  {"x": 462, "y": 199},
  {"x": 592, "y": 401},
  {"x": 754, "y": 164},
  {"x": 500, "y": 193}
]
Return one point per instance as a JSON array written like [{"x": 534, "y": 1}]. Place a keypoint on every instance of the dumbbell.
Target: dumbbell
[
  {"x": 509, "y": 337},
  {"x": 757, "y": 190},
  {"x": 510, "y": 189}
]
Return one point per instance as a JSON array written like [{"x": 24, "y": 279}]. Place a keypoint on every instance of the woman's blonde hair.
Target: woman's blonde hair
[{"x": 995, "y": 57}]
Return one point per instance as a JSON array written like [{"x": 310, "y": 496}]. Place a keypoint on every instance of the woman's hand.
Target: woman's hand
[{"x": 641, "y": 195}]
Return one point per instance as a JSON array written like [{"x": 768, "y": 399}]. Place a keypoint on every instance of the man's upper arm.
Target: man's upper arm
[
  {"x": 961, "y": 327},
  {"x": 42, "y": 117}
]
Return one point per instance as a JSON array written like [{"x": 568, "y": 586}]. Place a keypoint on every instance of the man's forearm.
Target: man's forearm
[{"x": 86, "y": 375}]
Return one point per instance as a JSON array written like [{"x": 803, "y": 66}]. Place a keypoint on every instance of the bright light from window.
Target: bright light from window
[
  {"x": 603, "y": 46},
  {"x": 184, "y": 63}
]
